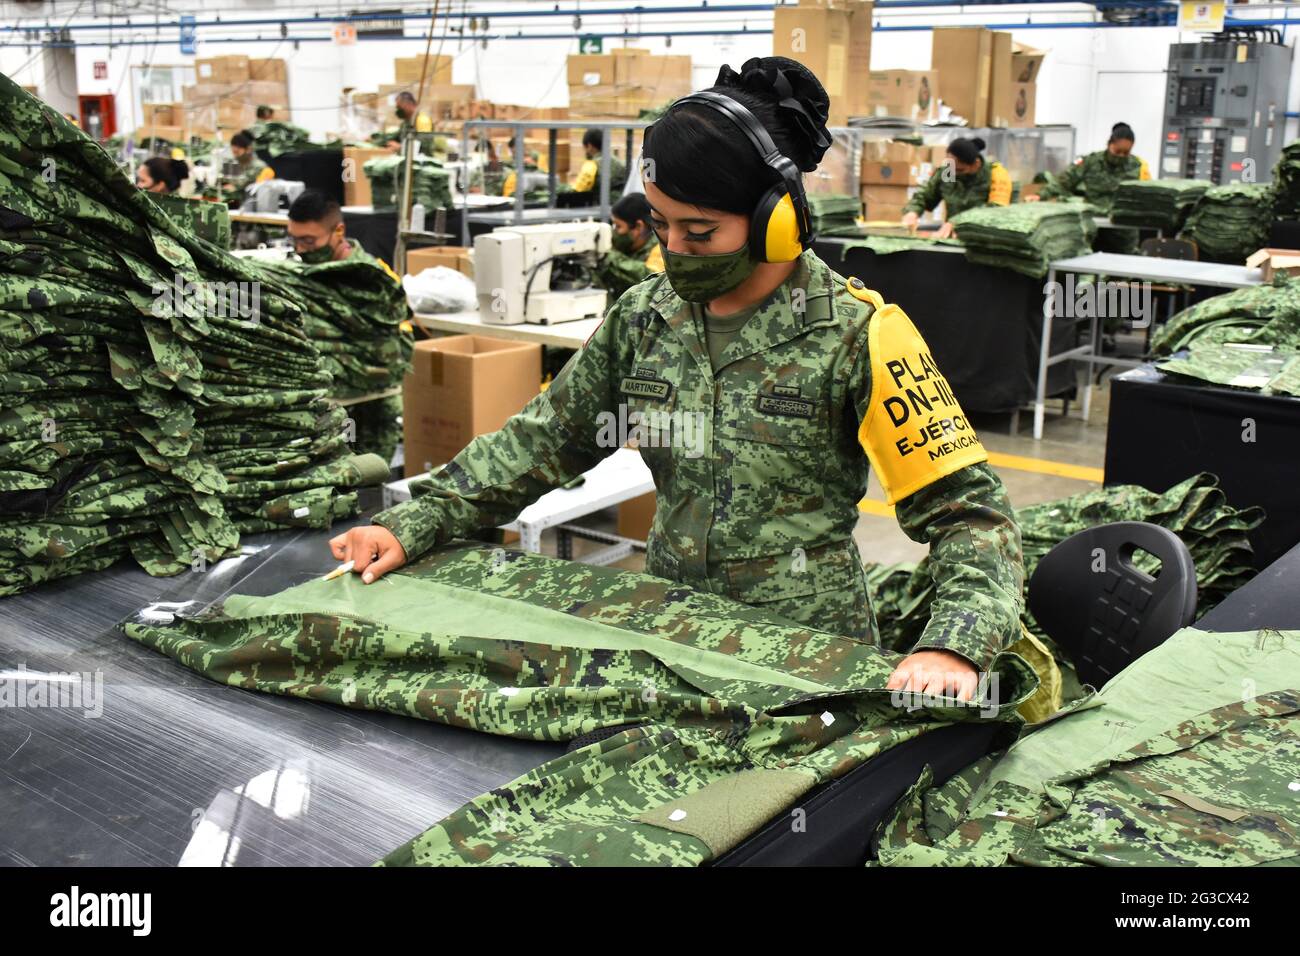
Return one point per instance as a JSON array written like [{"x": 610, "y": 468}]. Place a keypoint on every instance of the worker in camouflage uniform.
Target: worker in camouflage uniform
[
  {"x": 587, "y": 181},
  {"x": 753, "y": 379},
  {"x": 1097, "y": 176},
  {"x": 250, "y": 168},
  {"x": 636, "y": 254},
  {"x": 414, "y": 123},
  {"x": 966, "y": 181}
]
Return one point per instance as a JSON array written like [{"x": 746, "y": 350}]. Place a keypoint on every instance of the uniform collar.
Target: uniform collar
[{"x": 775, "y": 322}]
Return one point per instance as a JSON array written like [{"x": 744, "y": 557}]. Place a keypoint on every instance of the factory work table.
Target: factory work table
[{"x": 568, "y": 335}]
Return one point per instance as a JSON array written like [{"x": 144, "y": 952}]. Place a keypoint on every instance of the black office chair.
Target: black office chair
[{"x": 1104, "y": 612}]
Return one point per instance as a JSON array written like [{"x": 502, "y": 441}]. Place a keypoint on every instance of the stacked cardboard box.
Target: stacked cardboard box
[
  {"x": 228, "y": 92},
  {"x": 911, "y": 94},
  {"x": 460, "y": 258},
  {"x": 985, "y": 76},
  {"x": 833, "y": 39},
  {"x": 625, "y": 82},
  {"x": 408, "y": 69},
  {"x": 356, "y": 184}
]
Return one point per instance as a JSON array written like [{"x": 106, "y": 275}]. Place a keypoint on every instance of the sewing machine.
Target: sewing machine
[
  {"x": 266, "y": 196},
  {"x": 540, "y": 274}
]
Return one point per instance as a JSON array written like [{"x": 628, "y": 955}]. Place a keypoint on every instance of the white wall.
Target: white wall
[{"x": 1082, "y": 64}]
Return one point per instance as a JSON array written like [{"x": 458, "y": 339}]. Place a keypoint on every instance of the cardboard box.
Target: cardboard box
[
  {"x": 859, "y": 59},
  {"x": 460, "y": 387},
  {"x": 163, "y": 114},
  {"x": 407, "y": 70},
  {"x": 585, "y": 69},
  {"x": 889, "y": 151},
  {"x": 222, "y": 69},
  {"x": 963, "y": 58},
  {"x": 911, "y": 94},
  {"x": 1025, "y": 63},
  {"x": 1273, "y": 261},
  {"x": 895, "y": 174},
  {"x": 667, "y": 76},
  {"x": 636, "y": 516},
  {"x": 818, "y": 37},
  {"x": 268, "y": 70},
  {"x": 356, "y": 184},
  {"x": 1001, "y": 96},
  {"x": 173, "y": 134},
  {"x": 453, "y": 257},
  {"x": 1024, "y": 97},
  {"x": 876, "y": 197}
]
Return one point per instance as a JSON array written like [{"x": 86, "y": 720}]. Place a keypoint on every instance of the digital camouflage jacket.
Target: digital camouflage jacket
[
  {"x": 1096, "y": 177},
  {"x": 759, "y": 468},
  {"x": 990, "y": 185},
  {"x": 619, "y": 271}
]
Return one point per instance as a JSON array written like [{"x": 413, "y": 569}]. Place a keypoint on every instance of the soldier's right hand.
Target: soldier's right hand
[
  {"x": 373, "y": 549},
  {"x": 909, "y": 219},
  {"x": 1033, "y": 197}
]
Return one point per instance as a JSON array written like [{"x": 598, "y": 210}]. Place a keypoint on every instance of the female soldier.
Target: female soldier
[
  {"x": 966, "y": 181},
  {"x": 1097, "y": 176},
  {"x": 162, "y": 175},
  {"x": 759, "y": 377},
  {"x": 636, "y": 254}
]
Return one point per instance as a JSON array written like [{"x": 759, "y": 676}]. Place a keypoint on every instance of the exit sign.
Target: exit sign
[
  {"x": 591, "y": 45},
  {"x": 101, "y": 69}
]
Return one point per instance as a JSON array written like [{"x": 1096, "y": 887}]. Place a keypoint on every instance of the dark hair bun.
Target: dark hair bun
[
  {"x": 797, "y": 94},
  {"x": 978, "y": 143},
  {"x": 180, "y": 169}
]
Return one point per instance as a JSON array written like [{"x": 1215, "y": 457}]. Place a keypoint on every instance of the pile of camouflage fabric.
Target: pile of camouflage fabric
[
  {"x": 1228, "y": 223},
  {"x": 1156, "y": 203},
  {"x": 356, "y": 315},
  {"x": 1196, "y": 510},
  {"x": 430, "y": 185},
  {"x": 835, "y": 214},
  {"x": 207, "y": 220},
  {"x": 1266, "y": 359},
  {"x": 157, "y": 398},
  {"x": 275, "y": 138},
  {"x": 1286, "y": 182},
  {"x": 1026, "y": 237},
  {"x": 886, "y": 244},
  {"x": 1232, "y": 317}
]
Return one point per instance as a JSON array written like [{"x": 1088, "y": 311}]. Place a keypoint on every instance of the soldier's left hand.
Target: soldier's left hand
[
  {"x": 940, "y": 673},
  {"x": 944, "y": 231}
]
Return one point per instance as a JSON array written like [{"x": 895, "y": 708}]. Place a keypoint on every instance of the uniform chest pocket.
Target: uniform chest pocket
[{"x": 775, "y": 449}]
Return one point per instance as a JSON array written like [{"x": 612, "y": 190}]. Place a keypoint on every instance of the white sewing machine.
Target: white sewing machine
[{"x": 541, "y": 273}]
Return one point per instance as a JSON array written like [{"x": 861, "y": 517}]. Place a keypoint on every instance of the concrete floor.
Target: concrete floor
[{"x": 1068, "y": 444}]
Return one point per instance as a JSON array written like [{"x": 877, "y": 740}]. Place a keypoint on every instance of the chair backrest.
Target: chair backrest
[
  {"x": 1104, "y": 612},
  {"x": 1170, "y": 249}
]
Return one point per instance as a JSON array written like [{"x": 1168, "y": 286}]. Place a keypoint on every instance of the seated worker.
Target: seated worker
[
  {"x": 412, "y": 121},
  {"x": 265, "y": 114},
  {"x": 588, "y": 178},
  {"x": 790, "y": 384},
  {"x": 251, "y": 169},
  {"x": 160, "y": 174},
  {"x": 966, "y": 181},
  {"x": 1097, "y": 176},
  {"x": 636, "y": 253}
]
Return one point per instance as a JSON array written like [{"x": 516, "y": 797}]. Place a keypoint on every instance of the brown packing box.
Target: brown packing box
[
  {"x": 963, "y": 58},
  {"x": 1273, "y": 261},
  {"x": 268, "y": 70},
  {"x": 587, "y": 69},
  {"x": 453, "y": 257},
  {"x": 859, "y": 59},
  {"x": 356, "y": 184},
  {"x": 817, "y": 37},
  {"x": 163, "y": 114},
  {"x": 668, "y": 76},
  {"x": 636, "y": 515},
  {"x": 222, "y": 69},
  {"x": 407, "y": 69},
  {"x": 889, "y": 151},
  {"x": 911, "y": 94},
  {"x": 173, "y": 134},
  {"x": 1023, "y": 103},
  {"x": 1025, "y": 63},
  {"x": 1001, "y": 96},
  {"x": 895, "y": 174},
  {"x": 460, "y": 387},
  {"x": 875, "y": 196}
]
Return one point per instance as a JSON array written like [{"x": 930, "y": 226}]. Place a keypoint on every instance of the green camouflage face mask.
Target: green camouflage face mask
[
  {"x": 622, "y": 242},
  {"x": 316, "y": 256},
  {"x": 704, "y": 278}
]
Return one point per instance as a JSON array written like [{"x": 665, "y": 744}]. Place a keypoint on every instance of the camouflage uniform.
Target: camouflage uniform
[
  {"x": 247, "y": 176},
  {"x": 990, "y": 185},
  {"x": 619, "y": 271},
  {"x": 1096, "y": 177},
  {"x": 724, "y": 715},
  {"x": 207, "y": 220},
  {"x": 760, "y": 503}
]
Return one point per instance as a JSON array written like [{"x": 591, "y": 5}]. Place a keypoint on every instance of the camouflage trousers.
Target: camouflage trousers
[{"x": 729, "y": 715}]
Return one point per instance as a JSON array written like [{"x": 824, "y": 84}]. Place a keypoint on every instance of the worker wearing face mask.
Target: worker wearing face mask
[
  {"x": 966, "y": 181},
  {"x": 1097, "y": 176},
  {"x": 769, "y": 388},
  {"x": 636, "y": 254}
]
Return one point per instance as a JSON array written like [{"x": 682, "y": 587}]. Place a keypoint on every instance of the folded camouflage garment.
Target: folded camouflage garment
[
  {"x": 1241, "y": 348},
  {"x": 355, "y": 313},
  {"x": 834, "y": 214},
  {"x": 1286, "y": 182},
  {"x": 275, "y": 138},
  {"x": 730, "y": 714},
  {"x": 430, "y": 182},
  {"x": 1228, "y": 223},
  {"x": 1234, "y": 317},
  {"x": 885, "y": 245},
  {"x": 1156, "y": 203},
  {"x": 207, "y": 220},
  {"x": 1196, "y": 510},
  {"x": 1026, "y": 237},
  {"x": 1186, "y": 758},
  {"x": 157, "y": 396}
]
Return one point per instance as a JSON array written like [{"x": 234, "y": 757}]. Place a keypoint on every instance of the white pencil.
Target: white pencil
[{"x": 341, "y": 570}]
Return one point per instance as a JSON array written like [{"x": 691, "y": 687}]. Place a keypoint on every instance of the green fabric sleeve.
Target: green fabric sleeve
[{"x": 928, "y": 196}]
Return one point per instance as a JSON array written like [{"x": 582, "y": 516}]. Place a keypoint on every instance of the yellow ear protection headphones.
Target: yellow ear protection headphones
[{"x": 780, "y": 227}]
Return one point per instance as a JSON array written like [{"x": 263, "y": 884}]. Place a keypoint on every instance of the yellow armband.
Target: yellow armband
[{"x": 914, "y": 432}]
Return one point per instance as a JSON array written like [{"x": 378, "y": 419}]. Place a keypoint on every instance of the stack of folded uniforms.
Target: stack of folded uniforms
[
  {"x": 1026, "y": 237},
  {"x": 1230, "y": 222},
  {"x": 1156, "y": 203},
  {"x": 835, "y": 214},
  {"x": 275, "y": 138},
  {"x": 1265, "y": 359},
  {"x": 1286, "y": 183},
  {"x": 157, "y": 396},
  {"x": 1231, "y": 317},
  {"x": 430, "y": 182}
]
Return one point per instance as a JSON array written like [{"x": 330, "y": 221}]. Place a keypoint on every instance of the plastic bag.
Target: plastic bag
[{"x": 440, "y": 289}]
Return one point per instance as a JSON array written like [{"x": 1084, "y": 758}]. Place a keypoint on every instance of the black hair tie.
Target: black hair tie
[{"x": 795, "y": 92}]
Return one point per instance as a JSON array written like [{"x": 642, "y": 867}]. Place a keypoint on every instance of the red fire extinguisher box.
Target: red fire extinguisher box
[{"x": 98, "y": 115}]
